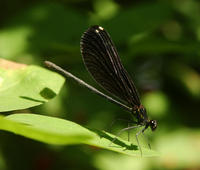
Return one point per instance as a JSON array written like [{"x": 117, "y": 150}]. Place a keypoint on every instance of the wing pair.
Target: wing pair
[{"x": 102, "y": 61}]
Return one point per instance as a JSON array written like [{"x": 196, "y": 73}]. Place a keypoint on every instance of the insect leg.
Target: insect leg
[
  {"x": 137, "y": 134},
  {"x": 147, "y": 139},
  {"x": 125, "y": 129}
]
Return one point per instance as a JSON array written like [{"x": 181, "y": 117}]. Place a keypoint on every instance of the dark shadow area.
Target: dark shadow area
[
  {"x": 47, "y": 93},
  {"x": 29, "y": 98},
  {"x": 114, "y": 140}
]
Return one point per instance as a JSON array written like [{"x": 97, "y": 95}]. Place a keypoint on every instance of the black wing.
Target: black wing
[{"x": 102, "y": 61}]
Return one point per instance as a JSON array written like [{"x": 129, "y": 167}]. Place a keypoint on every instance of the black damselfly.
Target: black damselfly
[{"x": 103, "y": 62}]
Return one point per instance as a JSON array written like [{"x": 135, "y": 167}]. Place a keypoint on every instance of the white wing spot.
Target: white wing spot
[
  {"x": 97, "y": 31},
  {"x": 101, "y": 28}
]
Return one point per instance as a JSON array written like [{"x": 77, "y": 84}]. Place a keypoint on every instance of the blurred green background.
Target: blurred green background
[{"x": 159, "y": 43}]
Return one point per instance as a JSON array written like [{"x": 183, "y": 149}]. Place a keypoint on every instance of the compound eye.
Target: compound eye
[{"x": 153, "y": 125}]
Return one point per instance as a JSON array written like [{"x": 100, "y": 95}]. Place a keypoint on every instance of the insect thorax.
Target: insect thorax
[{"x": 141, "y": 115}]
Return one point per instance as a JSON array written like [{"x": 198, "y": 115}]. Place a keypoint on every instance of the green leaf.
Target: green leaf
[
  {"x": 57, "y": 131},
  {"x": 23, "y": 86}
]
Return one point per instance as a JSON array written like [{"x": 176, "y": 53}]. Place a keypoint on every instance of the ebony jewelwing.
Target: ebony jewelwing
[{"x": 103, "y": 62}]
